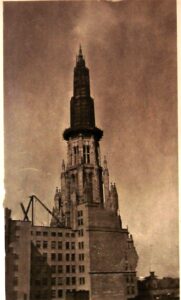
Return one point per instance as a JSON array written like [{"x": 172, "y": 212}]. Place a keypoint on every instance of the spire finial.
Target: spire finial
[{"x": 80, "y": 50}]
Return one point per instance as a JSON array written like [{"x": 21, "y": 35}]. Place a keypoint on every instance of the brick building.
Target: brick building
[{"x": 84, "y": 253}]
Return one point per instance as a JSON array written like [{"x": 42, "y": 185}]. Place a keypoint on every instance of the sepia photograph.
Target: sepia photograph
[{"x": 91, "y": 150}]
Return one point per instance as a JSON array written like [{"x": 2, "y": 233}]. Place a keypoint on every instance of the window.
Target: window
[
  {"x": 44, "y": 295},
  {"x": 60, "y": 280},
  {"x": 81, "y": 256},
  {"x": 59, "y": 245},
  {"x": 53, "y": 281},
  {"x": 59, "y": 234},
  {"x": 59, "y": 256},
  {"x": 60, "y": 293},
  {"x": 15, "y": 281},
  {"x": 80, "y": 213},
  {"x": 75, "y": 154},
  {"x": 132, "y": 290},
  {"x": 17, "y": 227},
  {"x": 15, "y": 294},
  {"x": 72, "y": 234},
  {"x": 128, "y": 290},
  {"x": 81, "y": 269},
  {"x": 67, "y": 234},
  {"x": 53, "y": 234},
  {"x": 53, "y": 244},
  {"x": 73, "y": 245},
  {"x": 38, "y": 244},
  {"x": 80, "y": 222},
  {"x": 72, "y": 256},
  {"x": 67, "y": 245},
  {"x": 80, "y": 232},
  {"x": 31, "y": 232},
  {"x": 53, "y": 293},
  {"x": 73, "y": 269},
  {"x": 82, "y": 280},
  {"x": 81, "y": 245},
  {"x": 16, "y": 256},
  {"x": 53, "y": 256},
  {"x": 68, "y": 269},
  {"x": 67, "y": 280},
  {"x": 38, "y": 295},
  {"x": 73, "y": 280},
  {"x": 45, "y": 244},
  {"x": 37, "y": 282},
  {"x": 86, "y": 154},
  {"x": 60, "y": 269},
  {"x": 38, "y": 233},
  {"x": 53, "y": 269},
  {"x": 45, "y": 233},
  {"x": 44, "y": 281},
  {"x": 67, "y": 256},
  {"x": 15, "y": 268},
  {"x": 44, "y": 256}
]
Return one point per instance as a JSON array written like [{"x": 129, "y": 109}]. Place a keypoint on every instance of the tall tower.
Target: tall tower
[
  {"x": 82, "y": 177},
  {"x": 88, "y": 203}
]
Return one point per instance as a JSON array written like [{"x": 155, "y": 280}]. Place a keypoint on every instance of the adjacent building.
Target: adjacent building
[
  {"x": 85, "y": 253},
  {"x": 152, "y": 287}
]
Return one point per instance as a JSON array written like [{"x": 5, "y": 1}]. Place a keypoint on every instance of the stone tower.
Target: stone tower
[{"x": 88, "y": 204}]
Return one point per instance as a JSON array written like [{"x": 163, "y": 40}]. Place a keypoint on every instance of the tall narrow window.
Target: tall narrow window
[
  {"x": 86, "y": 154},
  {"x": 75, "y": 155}
]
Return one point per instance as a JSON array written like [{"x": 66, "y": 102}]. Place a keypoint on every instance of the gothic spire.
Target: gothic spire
[
  {"x": 82, "y": 115},
  {"x": 80, "y": 51}
]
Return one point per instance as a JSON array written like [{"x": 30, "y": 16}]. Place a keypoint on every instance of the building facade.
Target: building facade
[{"x": 84, "y": 253}]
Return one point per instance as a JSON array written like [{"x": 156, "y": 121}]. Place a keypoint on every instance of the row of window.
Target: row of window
[
  {"x": 55, "y": 245},
  {"x": 56, "y": 281},
  {"x": 46, "y": 233},
  {"x": 54, "y": 294},
  {"x": 68, "y": 269},
  {"x": 56, "y": 256},
  {"x": 46, "y": 294}
]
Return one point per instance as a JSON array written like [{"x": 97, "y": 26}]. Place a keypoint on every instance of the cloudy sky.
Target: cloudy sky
[{"x": 130, "y": 49}]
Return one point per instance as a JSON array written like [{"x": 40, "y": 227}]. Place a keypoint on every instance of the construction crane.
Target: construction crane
[{"x": 34, "y": 198}]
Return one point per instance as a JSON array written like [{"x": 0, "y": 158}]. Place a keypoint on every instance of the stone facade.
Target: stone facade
[{"x": 86, "y": 254}]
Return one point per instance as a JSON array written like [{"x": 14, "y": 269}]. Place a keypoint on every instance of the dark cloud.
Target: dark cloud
[{"x": 130, "y": 49}]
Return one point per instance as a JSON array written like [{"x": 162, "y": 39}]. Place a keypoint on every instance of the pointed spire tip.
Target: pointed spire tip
[{"x": 80, "y": 49}]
